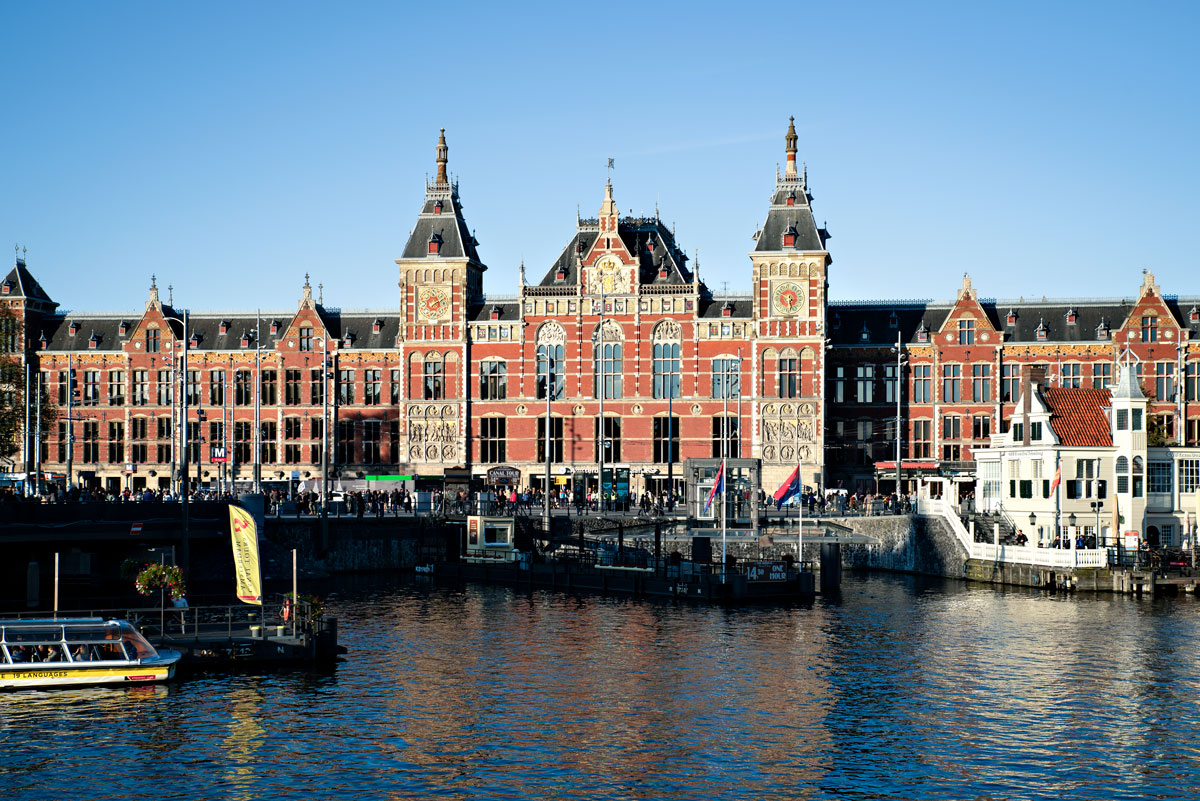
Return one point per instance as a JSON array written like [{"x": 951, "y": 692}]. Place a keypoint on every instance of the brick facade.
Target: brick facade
[{"x": 454, "y": 377}]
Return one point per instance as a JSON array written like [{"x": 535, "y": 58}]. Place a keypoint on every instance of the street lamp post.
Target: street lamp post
[
  {"x": 324, "y": 441},
  {"x": 184, "y": 549},
  {"x": 1096, "y": 508}
]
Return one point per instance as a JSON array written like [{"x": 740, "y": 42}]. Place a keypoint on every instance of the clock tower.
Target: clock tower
[
  {"x": 790, "y": 264},
  {"x": 440, "y": 276}
]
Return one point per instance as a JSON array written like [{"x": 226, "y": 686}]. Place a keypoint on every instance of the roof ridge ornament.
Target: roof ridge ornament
[
  {"x": 443, "y": 156},
  {"x": 790, "y": 149}
]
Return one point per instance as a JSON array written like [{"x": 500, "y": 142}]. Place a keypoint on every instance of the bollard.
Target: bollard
[{"x": 831, "y": 565}]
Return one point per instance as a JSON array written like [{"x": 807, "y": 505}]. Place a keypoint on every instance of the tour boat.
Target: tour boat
[{"x": 78, "y": 651}]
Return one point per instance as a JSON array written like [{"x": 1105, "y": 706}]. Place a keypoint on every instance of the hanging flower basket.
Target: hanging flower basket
[{"x": 154, "y": 576}]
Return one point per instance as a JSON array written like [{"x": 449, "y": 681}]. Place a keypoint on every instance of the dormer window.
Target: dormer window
[
  {"x": 894, "y": 321},
  {"x": 1194, "y": 315},
  {"x": 662, "y": 269},
  {"x": 435, "y": 245},
  {"x": 245, "y": 341},
  {"x": 789, "y": 237},
  {"x": 579, "y": 246},
  {"x": 791, "y": 199},
  {"x": 43, "y": 342},
  {"x": 922, "y": 333},
  {"x": 494, "y": 314},
  {"x": 194, "y": 341},
  {"x": 1041, "y": 331},
  {"x": 93, "y": 341},
  {"x": 377, "y": 326},
  {"x": 224, "y": 327},
  {"x": 274, "y": 327},
  {"x": 727, "y": 309},
  {"x": 437, "y": 207},
  {"x": 73, "y": 329},
  {"x": 865, "y": 334},
  {"x": 1012, "y": 318},
  {"x": 560, "y": 274},
  {"x": 650, "y": 241},
  {"x": 123, "y": 329},
  {"x": 1071, "y": 316},
  {"x": 1102, "y": 331},
  {"x": 7, "y": 288},
  {"x": 347, "y": 340}
]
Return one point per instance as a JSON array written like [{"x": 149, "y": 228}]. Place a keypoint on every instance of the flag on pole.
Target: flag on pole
[
  {"x": 789, "y": 489},
  {"x": 717, "y": 488},
  {"x": 244, "y": 534},
  {"x": 1057, "y": 478}
]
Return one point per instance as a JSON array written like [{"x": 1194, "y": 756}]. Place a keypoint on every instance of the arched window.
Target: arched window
[
  {"x": 608, "y": 361},
  {"x": 666, "y": 359},
  {"x": 789, "y": 374},
  {"x": 550, "y": 362},
  {"x": 434, "y": 377},
  {"x": 1138, "y": 466},
  {"x": 1122, "y": 465},
  {"x": 726, "y": 377},
  {"x": 1139, "y": 480}
]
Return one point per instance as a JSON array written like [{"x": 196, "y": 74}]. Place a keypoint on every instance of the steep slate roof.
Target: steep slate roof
[
  {"x": 1053, "y": 316},
  {"x": 845, "y": 321},
  {"x": 57, "y": 330},
  {"x": 21, "y": 284},
  {"x": 1077, "y": 416},
  {"x": 781, "y": 217},
  {"x": 510, "y": 310},
  {"x": 457, "y": 240},
  {"x": 711, "y": 308},
  {"x": 637, "y": 233},
  {"x": 847, "y": 318},
  {"x": 360, "y": 326}
]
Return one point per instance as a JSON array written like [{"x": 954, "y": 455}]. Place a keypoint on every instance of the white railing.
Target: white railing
[{"x": 1014, "y": 554}]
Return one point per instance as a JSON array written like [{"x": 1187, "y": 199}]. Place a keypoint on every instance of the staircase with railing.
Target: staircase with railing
[{"x": 1013, "y": 554}]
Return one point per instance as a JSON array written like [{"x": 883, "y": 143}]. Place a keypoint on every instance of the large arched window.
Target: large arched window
[
  {"x": 551, "y": 366},
  {"x": 608, "y": 361},
  {"x": 789, "y": 374},
  {"x": 666, "y": 359},
  {"x": 434, "y": 375}
]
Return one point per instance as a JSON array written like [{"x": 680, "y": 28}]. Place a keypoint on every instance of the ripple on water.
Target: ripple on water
[{"x": 899, "y": 689}]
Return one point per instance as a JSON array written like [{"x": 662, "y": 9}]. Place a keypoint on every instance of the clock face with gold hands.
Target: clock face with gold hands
[
  {"x": 433, "y": 302},
  {"x": 787, "y": 297}
]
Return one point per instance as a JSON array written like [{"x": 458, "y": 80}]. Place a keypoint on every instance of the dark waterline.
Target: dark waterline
[{"x": 901, "y": 688}]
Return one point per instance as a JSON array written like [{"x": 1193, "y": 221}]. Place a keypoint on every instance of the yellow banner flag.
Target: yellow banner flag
[{"x": 245, "y": 555}]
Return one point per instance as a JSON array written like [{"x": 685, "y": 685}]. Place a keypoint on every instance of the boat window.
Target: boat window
[
  {"x": 47, "y": 653},
  {"x": 22, "y": 634},
  {"x": 109, "y": 652},
  {"x": 136, "y": 644}
]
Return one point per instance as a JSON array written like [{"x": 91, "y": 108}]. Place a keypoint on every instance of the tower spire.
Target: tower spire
[
  {"x": 443, "y": 156},
  {"x": 790, "y": 140}
]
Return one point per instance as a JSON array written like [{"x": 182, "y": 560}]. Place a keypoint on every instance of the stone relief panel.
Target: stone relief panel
[
  {"x": 789, "y": 433},
  {"x": 433, "y": 432}
]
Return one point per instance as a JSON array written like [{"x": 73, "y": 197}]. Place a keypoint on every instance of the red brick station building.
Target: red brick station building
[{"x": 456, "y": 379}]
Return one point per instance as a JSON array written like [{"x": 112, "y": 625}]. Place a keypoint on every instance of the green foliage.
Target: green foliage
[{"x": 153, "y": 576}]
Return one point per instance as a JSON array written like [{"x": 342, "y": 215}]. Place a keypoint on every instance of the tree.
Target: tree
[{"x": 12, "y": 388}]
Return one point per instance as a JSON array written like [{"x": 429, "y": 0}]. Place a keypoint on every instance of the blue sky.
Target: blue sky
[{"x": 1046, "y": 148}]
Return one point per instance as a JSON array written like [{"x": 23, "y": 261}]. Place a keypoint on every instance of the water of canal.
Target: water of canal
[{"x": 900, "y": 688}]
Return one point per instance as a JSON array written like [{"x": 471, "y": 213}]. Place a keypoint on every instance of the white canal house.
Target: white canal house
[{"x": 1115, "y": 486}]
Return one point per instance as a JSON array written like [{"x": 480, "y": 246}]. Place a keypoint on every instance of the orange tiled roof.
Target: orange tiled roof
[{"x": 1077, "y": 416}]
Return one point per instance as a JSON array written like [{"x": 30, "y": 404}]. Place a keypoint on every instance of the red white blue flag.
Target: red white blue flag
[
  {"x": 717, "y": 488},
  {"x": 789, "y": 489}
]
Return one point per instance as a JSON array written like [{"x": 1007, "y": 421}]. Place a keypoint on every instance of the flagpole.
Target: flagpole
[{"x": 724, "y": 456}]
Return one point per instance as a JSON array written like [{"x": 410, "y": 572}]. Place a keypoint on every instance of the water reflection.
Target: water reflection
[{"x": 900, "y": 688}]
